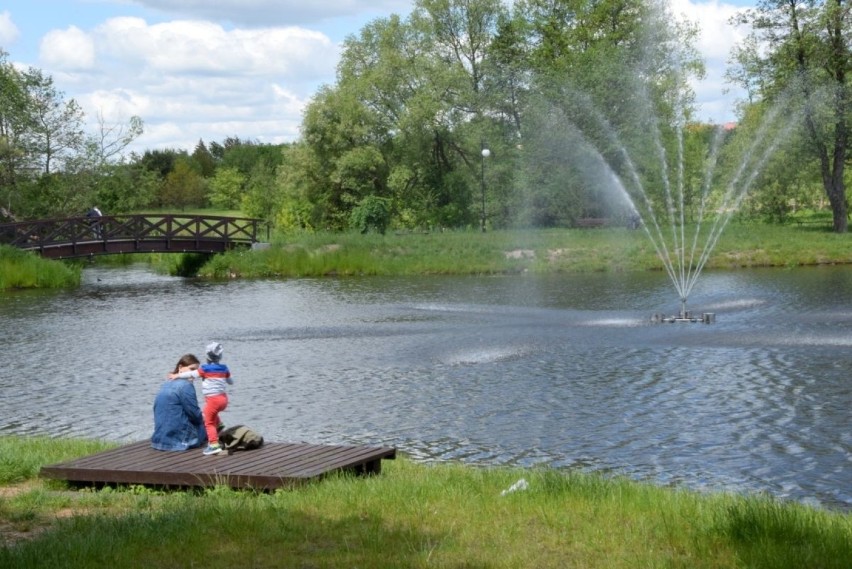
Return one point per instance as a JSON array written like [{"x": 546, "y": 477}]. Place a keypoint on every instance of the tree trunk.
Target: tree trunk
[
  {"x": 840, "y": 60},
  {"x": 837, "y": 199}
]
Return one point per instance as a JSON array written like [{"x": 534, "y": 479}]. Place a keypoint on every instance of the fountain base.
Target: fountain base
[{"x": 705, "y": 318}]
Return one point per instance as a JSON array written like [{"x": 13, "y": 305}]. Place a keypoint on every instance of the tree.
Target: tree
[
  {"x": 416, "y": 99},
  {"x": 296, "y": 180},
  {"x": 183, "y": 186},
  {"x": 411, "y": 91},
  {"x": 371, "y": 214},
  {"x": 263, "y": 196},
  {"x": 608, "y": 79},
  {"x": 226, "y": 188},
  {"x": 340, "y": 135},
  {"x": 108, "y": 143},
  {"x": 804, "y": 64},
  {"x": 204, "y": 159},
  {"x": 13, "y": 123},
  {"x": 48, "y": 164},
  {"x": 56, "y": 126}
]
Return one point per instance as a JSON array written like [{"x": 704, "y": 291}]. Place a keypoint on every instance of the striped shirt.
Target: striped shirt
[{"x": 215, "y": 377}]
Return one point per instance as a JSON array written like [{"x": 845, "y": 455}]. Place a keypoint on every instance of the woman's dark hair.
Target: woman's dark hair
[{"x": 186, "y": 360}]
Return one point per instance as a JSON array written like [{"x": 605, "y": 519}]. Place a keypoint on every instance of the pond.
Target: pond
[{"x": 560, "y": 370}]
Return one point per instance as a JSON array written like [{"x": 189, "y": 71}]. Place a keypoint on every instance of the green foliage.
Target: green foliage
[
  {"x": 797, "y": 56},
  {"x": 372, "y": 214},
  {"x": 49, "y": 166},
  {"x": 613, "y": 249},
  {"x": 206, "y": 162},
  {"x": 179, "y": 265},
  {"x": 162, "y": 162},
  {"x": 125, "y": 189},
  {"x": 244, "y": 155},
  {"x": 23, "y": 269},
  {"x": 226, "y": 188},
  {"x": 262, "y": 196},
  {"x": 416, "y": 99},
  {"x": 183, "y": 186}
]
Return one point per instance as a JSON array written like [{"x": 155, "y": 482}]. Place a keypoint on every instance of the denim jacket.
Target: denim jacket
[{"x": 178, "y": 424}]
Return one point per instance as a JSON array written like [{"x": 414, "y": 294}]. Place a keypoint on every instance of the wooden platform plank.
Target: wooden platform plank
[{"x": 274, "y": 465}]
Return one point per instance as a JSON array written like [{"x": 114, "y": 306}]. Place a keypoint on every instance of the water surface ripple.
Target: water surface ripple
[{"x": 565, "y": 371}]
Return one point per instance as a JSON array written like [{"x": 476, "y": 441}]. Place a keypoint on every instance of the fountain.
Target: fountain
[{"x": 603, "y": 160}]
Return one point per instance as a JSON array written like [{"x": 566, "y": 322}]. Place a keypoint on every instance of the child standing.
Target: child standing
[{"x": 215, "y": 377}]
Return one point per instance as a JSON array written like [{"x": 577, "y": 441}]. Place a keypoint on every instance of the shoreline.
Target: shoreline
[
  {"x": 544, "y": 251},
  {"x": 411, "y": 515}
]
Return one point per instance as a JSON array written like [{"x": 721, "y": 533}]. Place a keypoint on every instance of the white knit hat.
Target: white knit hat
[{"x": 215, "y": 351}]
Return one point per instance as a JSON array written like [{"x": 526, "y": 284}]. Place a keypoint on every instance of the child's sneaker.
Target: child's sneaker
[{"x": 215, "y": 448}]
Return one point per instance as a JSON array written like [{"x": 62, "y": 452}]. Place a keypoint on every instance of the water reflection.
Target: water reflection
[{"x": 559, "y": 370}]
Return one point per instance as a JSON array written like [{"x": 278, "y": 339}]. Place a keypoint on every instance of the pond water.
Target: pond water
[{"x": 559, "y": 370}]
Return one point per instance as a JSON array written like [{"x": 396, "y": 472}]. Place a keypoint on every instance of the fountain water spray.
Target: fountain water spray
[{"x": 683, "y": 257}]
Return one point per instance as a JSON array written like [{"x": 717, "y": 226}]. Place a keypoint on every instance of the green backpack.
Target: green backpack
[{"x": 240, "y": 437}]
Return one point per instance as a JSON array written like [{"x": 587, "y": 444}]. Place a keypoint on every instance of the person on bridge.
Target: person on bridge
[
  {"x": 215, "y": 377},
  {"x": 94, "y": 216},
  {"x": 178, "y": 421}
]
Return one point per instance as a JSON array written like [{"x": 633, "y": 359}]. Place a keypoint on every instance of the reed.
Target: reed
[
  {"x": 538, "y": 251},
  {"x": 421, "y": 515},
  {"x": 612, "y": 249},
  {"x": 22, "y": 269}
]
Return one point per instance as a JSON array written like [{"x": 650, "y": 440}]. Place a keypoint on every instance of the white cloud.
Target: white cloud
[
  {"x": 197, "y": 47},
  {"x": 241, "y": 68},
  {"x": 264, "y": 13},
  {"x": 69, "y": 49},
  {"x": 191, "y": 79},
  {"x": 716, "y": 98},
  {"x": 8, "y": 30},
  {"x": 718, "y": 36}
]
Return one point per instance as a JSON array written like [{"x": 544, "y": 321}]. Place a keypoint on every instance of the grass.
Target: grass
[
  {"x": 462, "y": 253},
  {"x": 412, "y": 515},
  {"x": 23, "y": 269},
  {"x": 563, "y": 250}
]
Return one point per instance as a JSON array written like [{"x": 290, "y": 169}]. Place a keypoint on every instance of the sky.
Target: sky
[{"x": 211, "y": 69}]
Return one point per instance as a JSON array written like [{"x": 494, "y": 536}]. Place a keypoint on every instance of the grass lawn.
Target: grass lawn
[{"x": 411, "y": 515}]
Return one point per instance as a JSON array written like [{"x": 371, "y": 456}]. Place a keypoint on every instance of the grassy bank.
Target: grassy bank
[
  {"x": 22, "y": 269},
  {"x": 412, "y": 515},
  {"x": 563, "y": 250},
  {"x": 460, "y": 253}
]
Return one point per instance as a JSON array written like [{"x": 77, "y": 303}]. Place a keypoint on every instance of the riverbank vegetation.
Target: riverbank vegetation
[
  {"x": 577, "y": 109},
  {"x": 615, "y": 249},
  {"x": 411, "y": 515},
  {"x": 22, "y": 269},
  {"x": 324, "y": 254}
]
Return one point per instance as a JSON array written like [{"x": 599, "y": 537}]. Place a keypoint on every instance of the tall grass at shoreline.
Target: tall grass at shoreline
[
  {"x": 536, "y": 251},
  {"x": 22, "y": 269},
  {"x": 411, "y": 515},
  {"x": 613, "y": 249}
]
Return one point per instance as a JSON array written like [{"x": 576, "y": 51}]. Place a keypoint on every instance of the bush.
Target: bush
[{"x": 372, "y": 214}]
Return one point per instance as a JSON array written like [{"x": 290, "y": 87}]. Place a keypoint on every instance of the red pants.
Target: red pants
[{"x": 213, "y": 405}]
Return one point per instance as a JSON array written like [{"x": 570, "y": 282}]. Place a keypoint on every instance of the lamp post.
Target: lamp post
[{"x": 485, "y": 154}]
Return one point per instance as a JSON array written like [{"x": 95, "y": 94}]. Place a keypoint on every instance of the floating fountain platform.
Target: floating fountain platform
[{"x": 685, "y": 316}]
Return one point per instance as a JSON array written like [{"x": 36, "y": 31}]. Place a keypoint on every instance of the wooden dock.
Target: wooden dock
[{"x": 274, "y": 465}]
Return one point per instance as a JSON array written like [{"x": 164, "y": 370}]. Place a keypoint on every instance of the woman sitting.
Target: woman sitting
[{"x": 178, "y": 423}]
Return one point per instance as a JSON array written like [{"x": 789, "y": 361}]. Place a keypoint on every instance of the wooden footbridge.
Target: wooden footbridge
[{"x": 141, "y": 233}]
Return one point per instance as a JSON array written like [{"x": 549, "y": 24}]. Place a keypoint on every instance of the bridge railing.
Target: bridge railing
[{"x": 162, "y": 230}]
